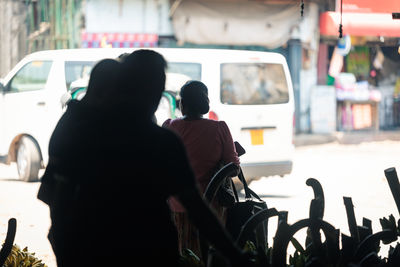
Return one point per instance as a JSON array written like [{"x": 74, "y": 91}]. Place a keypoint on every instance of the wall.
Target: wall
[
  {"x": 12, "y": 34},
  {"x": 308, "y": 34},
  {"x": 128, "y": 16}
]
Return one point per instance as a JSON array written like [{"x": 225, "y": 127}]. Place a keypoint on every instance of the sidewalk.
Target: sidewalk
[{"x": 351, "y": 137}]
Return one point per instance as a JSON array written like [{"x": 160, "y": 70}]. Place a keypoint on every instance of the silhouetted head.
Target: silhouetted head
[
  {"x": 102, "y": 83},
  {"x": 121, "y": 58},
  {"x": 143, "y": 80},
  {"x": 194, "y": 98}
]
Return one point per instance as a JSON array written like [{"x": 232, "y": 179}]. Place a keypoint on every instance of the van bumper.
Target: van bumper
[{"x": 254, "y": 171}]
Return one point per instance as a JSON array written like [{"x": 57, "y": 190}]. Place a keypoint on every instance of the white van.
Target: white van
[{"x": 251, "y": 91}]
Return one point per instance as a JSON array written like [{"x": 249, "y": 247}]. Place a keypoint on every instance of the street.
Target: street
[{"x": 353, "y": 170}]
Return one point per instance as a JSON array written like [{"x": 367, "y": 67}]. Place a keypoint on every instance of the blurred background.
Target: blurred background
[
  {"x": 352, "y": 81},
  {"x": 346, "y": 86}
]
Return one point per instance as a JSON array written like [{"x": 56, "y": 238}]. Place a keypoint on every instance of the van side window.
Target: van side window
[
  {"x": 75, "y": 70},
  {"x": 177, "y": 74},
  {"x": 33, "y": 76},
  {"x": 253, "y": 84}
]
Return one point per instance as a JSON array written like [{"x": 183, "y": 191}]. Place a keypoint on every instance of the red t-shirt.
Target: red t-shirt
[{"x": 207, "y": 143}]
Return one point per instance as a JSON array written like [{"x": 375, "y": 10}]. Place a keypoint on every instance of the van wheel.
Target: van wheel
[{"x": 28, "y": 160}]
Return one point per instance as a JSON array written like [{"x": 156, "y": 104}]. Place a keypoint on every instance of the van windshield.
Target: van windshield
[
  {"x": 180, "y": 72},
  {"x": 76, "y": 70},
  {"x": 177, "y": 73},
  {"x": 253, "y": 84}
]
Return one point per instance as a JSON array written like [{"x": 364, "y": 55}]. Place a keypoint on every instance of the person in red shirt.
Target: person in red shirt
[{"x": 208, "y": 144}]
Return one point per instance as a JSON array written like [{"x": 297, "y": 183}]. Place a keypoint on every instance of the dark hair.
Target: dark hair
[
  {"x": 143, "y": 79},
  {"x": 122, "y": 57},
  {"x": 102, "y": 82},
  {"x": 194, "y": 97}
]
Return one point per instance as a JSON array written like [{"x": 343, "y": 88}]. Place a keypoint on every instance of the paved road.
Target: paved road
[
  {"x": 18, "y": 200},
  {"x": 353, "y": 170}
]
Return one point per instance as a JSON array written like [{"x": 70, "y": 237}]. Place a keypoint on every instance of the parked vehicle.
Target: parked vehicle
[
  {"x": 168, "y": 107},
  {"x": 251, "y": 91}
]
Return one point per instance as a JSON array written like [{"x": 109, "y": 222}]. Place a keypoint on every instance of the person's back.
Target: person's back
[
  {"x": 205, "y": 142},
  {"x": 123, "y": 205},
  {"x": 112, "y": 180},
  {"x": 208, "y": 144}
]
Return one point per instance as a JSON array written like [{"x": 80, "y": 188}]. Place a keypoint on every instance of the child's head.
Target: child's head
[{"x": 103, "y": 82}]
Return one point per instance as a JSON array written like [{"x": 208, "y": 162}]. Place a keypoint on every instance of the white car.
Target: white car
[{"x": 251, "y": 91}]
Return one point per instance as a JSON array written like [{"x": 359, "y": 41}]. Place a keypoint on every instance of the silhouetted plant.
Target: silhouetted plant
[
  {"x": 8, "y": 243},
  {"x": 359, "y": 249}
]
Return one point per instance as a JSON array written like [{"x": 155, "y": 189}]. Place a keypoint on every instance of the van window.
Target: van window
[
  {"x": 31, "y": 77},
  {"x": 178, "y": 73},
  {"x": 75, "y": 70},
  {"x": 253, "y": 84}
]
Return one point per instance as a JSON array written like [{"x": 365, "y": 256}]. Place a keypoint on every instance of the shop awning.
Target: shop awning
[
  {"x": 359, "y": 24},
  {"x": 235, "y": 23}
]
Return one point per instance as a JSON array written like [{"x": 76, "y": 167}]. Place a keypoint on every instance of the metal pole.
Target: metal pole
[{"x": 295, "y": 62}]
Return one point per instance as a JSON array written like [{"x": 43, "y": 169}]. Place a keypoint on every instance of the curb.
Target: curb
[{"x": 351, "y": 137}]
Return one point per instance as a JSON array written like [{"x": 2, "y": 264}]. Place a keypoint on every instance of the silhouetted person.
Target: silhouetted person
[
  {"x": 68, "y": 168},
  {"x": 113, "y": 172},
  {"x": 122, "y": 57},
  {"x": 209, "y": 146},
  {"x": 102, "y": 84}
]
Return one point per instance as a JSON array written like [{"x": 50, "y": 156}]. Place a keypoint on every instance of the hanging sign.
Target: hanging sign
[{"x": 344, "y": 45}]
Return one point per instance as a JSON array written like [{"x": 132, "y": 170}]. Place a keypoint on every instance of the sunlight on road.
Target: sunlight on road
[{"x": 355, "y": 171}]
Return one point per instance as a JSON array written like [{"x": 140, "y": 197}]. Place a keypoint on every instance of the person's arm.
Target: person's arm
[
  {"x": 198, "y": 210},
  {"x": 47, "y": 183},
  {"x": 46, "y": 189},
  {"x": 210, "y": 227},
  {"x": 229, "y": 153},
  {"x": 184, "y": 187}
]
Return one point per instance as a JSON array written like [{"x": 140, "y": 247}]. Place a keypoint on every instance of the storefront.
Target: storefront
[{"x": 363, "y": 66}]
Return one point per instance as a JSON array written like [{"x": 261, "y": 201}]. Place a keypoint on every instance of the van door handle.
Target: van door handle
[
  {"x": 41, "y": 103},
  {"x": 259, "y": 128}
]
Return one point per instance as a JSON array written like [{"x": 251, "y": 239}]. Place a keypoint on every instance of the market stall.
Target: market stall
[
  {"x": 357, "y": 103},
  {"x": 363, "y": 64}
]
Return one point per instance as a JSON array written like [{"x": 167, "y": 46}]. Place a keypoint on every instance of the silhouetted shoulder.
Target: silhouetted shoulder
[
  {"x": 169, "y": 138},
  {"x": 175, "y": 160},
  {"x": 217, "y": 124},
  {"x": 222, "y": 125},
  {"x": 171, "y": 122},
  {"x": 166, "y": 123}
]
